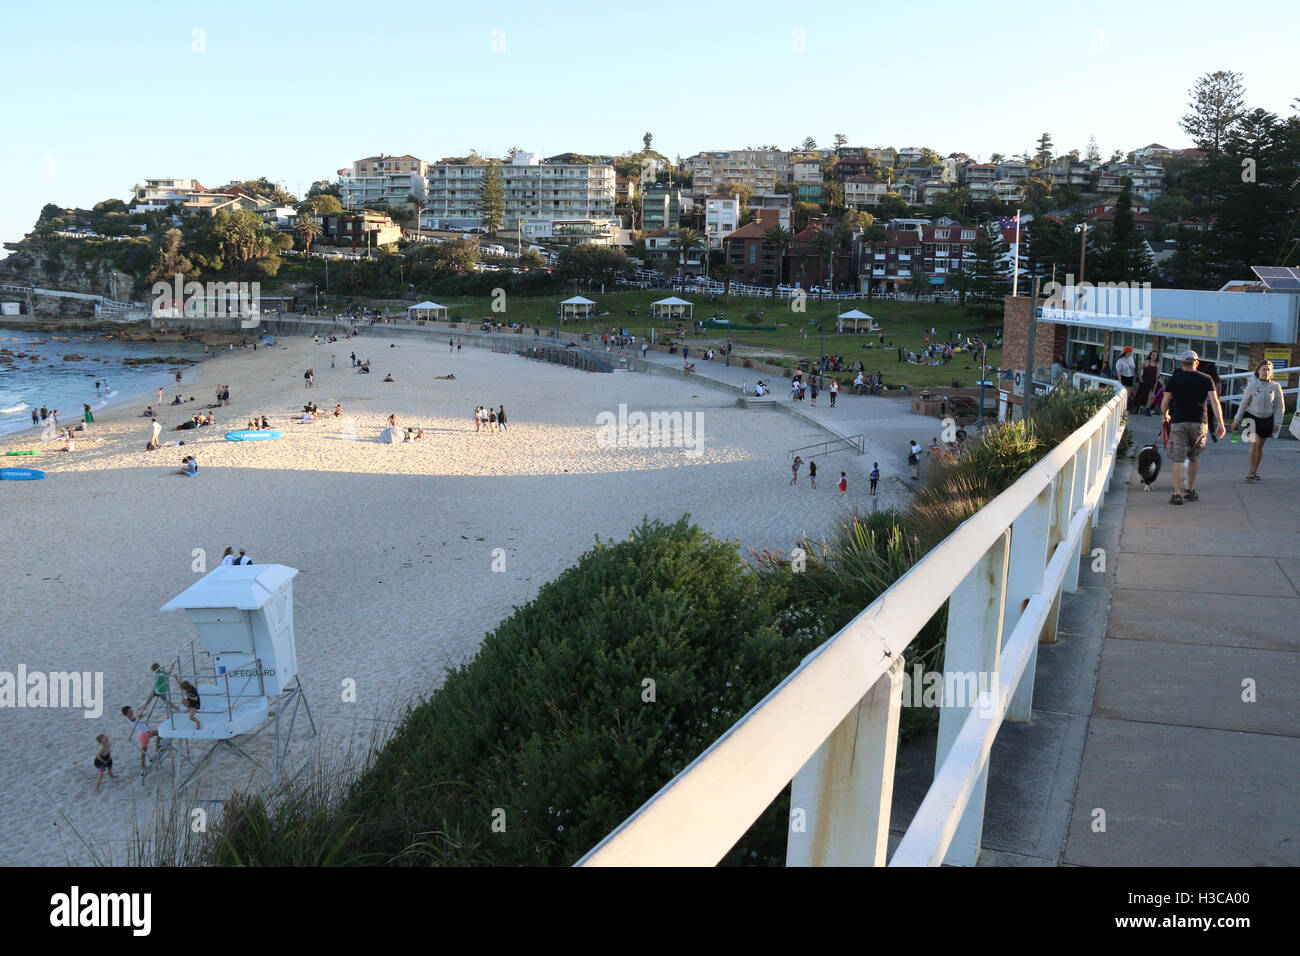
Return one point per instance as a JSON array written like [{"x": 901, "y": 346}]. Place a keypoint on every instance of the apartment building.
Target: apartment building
[
  {"x": 721, "y": 218},
  {"x": 938, "y": 248},
  {"x": 1148, "y": 180},
  {"x": 663, "y": 251},
  {"x": 533, "y": 190},
  {"x": 571, "y": 232},
  {"x": 1014, "y": 171},
  {"x": 850, "y": 161},
  {"x": 161, "y": 193},
  {"x": 760, "y": 169},
  {"x": 1066, "y": 170},
  {"x": 362, "y": 230},
  {"x": 883, "y": 157},
  {"x": 863, "y": 191},
  {"x": 752, "y": 254},
  {"x": 382, "y": 180}
]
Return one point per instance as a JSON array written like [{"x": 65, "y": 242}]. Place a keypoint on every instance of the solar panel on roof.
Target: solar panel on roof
[{"x": 1278, "y": 278}]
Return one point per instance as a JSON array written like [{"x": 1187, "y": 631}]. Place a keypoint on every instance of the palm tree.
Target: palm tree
[
  {"x": 308, "y": 228},
  {"x": 872, "y": 234},
  {"x": 727, "y": 273},
  {"x": 916, "y": 283},
  {"x": 688, "y": 240},
  {"x": 780, "y": 237},
  {"x": 826, "y": 248}
]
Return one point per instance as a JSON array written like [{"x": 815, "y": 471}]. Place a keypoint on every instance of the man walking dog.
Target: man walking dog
[{"x": 1184, "y": 408}]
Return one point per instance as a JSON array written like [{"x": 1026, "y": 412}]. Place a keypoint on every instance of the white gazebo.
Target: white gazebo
[
  {"x": 672, "y": 308},
  {"x": 577, "y": 308},
  {"x": 426, "y": 310},
  {"x": 856, "y": 315}
]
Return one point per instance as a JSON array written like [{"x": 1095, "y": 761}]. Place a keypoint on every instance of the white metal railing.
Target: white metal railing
[{"x": 830, "y": 729}]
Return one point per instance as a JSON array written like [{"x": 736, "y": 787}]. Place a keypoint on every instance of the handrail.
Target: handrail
[
  {"x": 1002, "y": 569},
  {"x": 856, "y": 442}
]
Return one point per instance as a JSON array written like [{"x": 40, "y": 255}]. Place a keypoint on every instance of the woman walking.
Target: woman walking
[
  {"x": 501, "y": 417},
  {"x": 812, "y": 473},
  {"x": 794, "y": 469},
  {"x": 1146, "y": 383},
  {"x": 1262, "y": 402},
  {"x": 90, "y": 418}
]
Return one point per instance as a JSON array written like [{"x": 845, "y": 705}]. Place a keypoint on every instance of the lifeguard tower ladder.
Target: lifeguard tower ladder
[{"x": 244, "y": 665}]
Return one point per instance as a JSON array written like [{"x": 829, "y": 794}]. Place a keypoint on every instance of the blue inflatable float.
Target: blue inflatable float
[
  {"x": 20, "y": 474},
  {"x": 248, "y": 435}
]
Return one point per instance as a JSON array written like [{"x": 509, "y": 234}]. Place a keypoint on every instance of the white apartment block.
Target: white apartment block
[
  {"x": 533, "y": 190},
  {"x": 721, "y": 218},
  {"x": 806, "y": 171},
  {"x": 600, "y": 232},
  {"x": 760, "y": 169},
  {"x": 161, "y": 193},
  {"x": 382, "y": 180},
  {"x": 863, "y": 190}
]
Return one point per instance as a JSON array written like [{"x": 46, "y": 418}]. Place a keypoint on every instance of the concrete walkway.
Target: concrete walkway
[
  {"x": 1192, "y": 755},
  {"x": 886, "y": 423}
]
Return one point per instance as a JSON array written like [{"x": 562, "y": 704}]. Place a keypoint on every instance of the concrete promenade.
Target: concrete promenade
[{"x": 1193, "y": 744}]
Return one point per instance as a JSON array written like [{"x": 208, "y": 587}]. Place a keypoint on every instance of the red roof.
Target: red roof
[{"x": 754, "y": 230}]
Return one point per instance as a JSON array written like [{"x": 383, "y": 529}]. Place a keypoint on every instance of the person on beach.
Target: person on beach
[
  {"x": 459, "y": 343},
  {"x": 103, "y": 760},
  {"x": 478, "y": 417},
  {"x": 157, "y": 430},
  {"x": 69, "y": 444},
  {"x": 875, "y": 475},
  {"x": 190, "y": 702},
  {"x": 1264, "y": 405},
  {"x": 189, "y": 467},
  {"x": 36, "y": 417},
  {"x": 388, "y": 377},
  {"x": 353, "y": 356},
  {"x": 243, "y": 558},
  {"x": 265, "y": 424},
  {"x": 812, "y": 473},
  {"x": 844, "y": 483},
  {"x": 227, "y": 557},
  {"x": 89, "y": 417},
  {"x": 338, "y": 410},
  {"x": 161, "y": 686},
  {"x": 451, "y": 345},
  {"x": 178, "y": 378},
  {"x": 160, "y": 394},
  {"x": 501, "y": 416},
  {"x": 1188, "y": 398},
  {"x": 914, "y": 459},
  {"x": 492, "y": 421},
  {"x": 794, "y": 469},
  {"x": 143, "y": 733}
]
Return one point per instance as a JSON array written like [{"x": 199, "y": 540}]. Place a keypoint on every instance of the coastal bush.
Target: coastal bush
[{"x": 551, "y": 731}]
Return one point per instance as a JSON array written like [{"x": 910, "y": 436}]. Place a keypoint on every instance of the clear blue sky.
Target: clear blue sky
[{"x": 99, "y": 96}]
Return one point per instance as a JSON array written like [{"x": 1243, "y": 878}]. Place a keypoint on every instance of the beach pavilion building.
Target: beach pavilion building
[
  {"x": 577, "y": 308},
  {"x": 672, "y": 309},
  {"x": 424, "y": 311}
]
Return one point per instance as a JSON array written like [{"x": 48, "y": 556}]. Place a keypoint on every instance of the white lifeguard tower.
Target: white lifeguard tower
[{"x": 244, "y": 663}]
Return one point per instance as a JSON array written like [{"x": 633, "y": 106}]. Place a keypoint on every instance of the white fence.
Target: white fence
[{"x": 831, "y": 727}]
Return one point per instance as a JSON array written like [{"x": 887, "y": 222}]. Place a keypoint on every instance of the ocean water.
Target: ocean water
[{"x": 66, "y": 386}]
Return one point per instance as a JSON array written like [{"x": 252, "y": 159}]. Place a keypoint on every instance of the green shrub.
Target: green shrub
[{"x": 546, "y": 728}]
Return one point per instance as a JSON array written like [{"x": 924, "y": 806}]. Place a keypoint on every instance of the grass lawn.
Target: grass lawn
[{"x": 795, "y": 336}]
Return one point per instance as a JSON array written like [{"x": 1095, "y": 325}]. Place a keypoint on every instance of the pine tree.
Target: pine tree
[
  {"x": 1044, "y": 154},
  {"x": 1214, "y": 110},
  {"x": 491, "y": 199},
  {"x": 1094, "y": 154}
]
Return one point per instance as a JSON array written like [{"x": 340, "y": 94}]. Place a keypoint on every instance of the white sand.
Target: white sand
[{"x": 394, "y": 542}]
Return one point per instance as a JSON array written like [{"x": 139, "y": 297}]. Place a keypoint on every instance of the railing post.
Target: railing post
[
  {"x": 840, "y": 799},
  {"x": 1031, "y": 547},
  {"x": 1083, "y": 472},
  {"x": 975, "y": 615}
]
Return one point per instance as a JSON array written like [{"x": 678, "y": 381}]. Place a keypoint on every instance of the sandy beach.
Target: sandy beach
[{"x": 394, "y": 542}]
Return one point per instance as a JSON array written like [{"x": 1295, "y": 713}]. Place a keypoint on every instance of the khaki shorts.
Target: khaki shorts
[{"x": 1187, "y": 440}]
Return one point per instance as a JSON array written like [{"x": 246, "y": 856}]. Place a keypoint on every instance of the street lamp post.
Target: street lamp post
[{"x": 1082, "y": 230}]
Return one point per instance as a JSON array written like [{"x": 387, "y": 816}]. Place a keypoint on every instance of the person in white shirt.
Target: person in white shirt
[
  {"x": 157, "y": 430},
  {"x": 228, "y": 557},
  {"x": 914, "y": 459},
  {"x": 1125, "y": 370},
  {"x": 1263, "y": 403}
]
